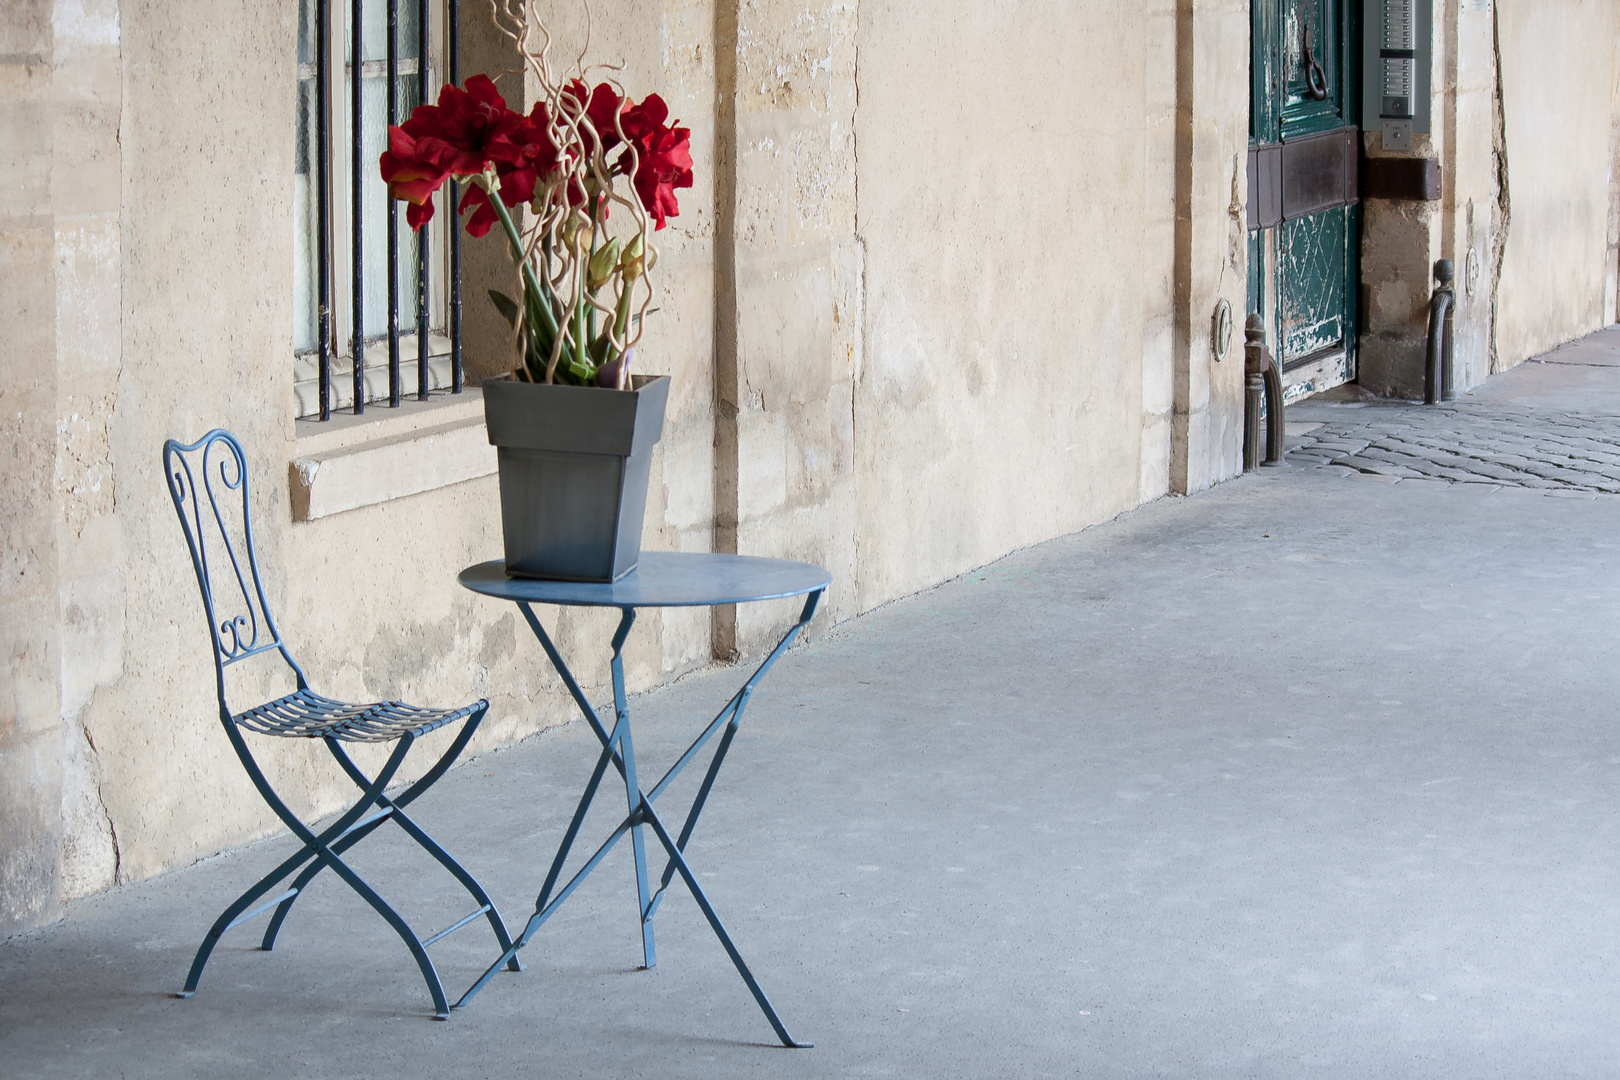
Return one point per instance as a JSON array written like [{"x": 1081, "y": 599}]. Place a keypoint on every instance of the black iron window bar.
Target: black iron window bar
[{"x": 358, "y": 69}]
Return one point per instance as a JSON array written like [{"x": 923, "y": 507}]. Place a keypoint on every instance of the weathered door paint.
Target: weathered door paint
[{"x": 1304, "y": 262}]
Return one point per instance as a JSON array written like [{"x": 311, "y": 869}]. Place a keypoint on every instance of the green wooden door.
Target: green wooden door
[{"x": 1304, "y": 219}]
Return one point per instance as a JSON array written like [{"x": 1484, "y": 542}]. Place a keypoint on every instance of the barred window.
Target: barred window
[{"x": 363, "y": 282}]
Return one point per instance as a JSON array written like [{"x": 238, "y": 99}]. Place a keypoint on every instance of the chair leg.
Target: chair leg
[
  {"x": 320, "y": 847},
  {"x": 233, "y": 914},
  {"x": 470, "y": 883},
  {"x": 329, "y": 856},
  {"x": 441, "y": 1005},
  {"x": 312, "y": 845},
  {"x": 395, "y": 808},
  {"x": 268, "y": 942}
]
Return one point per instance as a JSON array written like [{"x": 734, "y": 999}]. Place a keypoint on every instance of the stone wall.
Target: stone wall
[
  {"x": 943, "y": 289},
  {"x": 1471, "y": 213},
  {"x": 1402, "y": 239},
  {"x": 1557, "y": 69},
  {"x": 998, "y": 399},
  {"x": 30, "y": 694},
  {"x": 1526, "y": 125}
]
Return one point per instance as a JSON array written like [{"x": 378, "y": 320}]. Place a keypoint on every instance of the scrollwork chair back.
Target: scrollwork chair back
[{"x": 208, "y": 481}]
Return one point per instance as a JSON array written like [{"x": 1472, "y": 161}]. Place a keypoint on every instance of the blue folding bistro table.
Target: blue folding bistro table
[{"x": 663, "y": 579}]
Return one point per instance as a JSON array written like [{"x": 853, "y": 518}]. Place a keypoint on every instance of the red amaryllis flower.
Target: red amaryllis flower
[
  {"x": 602, "y": 109},
  {"x": 523, "y": 154},
  {"x": 467, "y": 125},
  {"x": 412, "y": 175},
  {"x": 459, "y": 136},
  {"x": 663, "y": 157}
]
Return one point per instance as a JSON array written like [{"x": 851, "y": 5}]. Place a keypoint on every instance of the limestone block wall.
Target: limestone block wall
[
  {"x": 1526, "y": 121},
  {"x": 788, "y": 271},
  {"x": 1557, "y": 70},
  {"x": 942, "y": 289},
  {"x": 1160, "y": 191},
  {"x": 1210, "y": 260},
  {"x": 1001, "y": 360},
  {"x": 1471, "y": 211},
  {"x": 1401, "y": 239},
  {"x": 30, "y": 694}
]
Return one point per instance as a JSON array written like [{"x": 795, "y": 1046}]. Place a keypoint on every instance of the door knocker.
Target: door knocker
[{"x": 1316, "y": 87}]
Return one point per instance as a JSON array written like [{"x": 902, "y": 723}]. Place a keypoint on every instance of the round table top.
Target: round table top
[{"x": 661, "y": 579}]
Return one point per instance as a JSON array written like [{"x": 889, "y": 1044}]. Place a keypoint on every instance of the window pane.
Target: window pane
[
  {"x": 372, "y": 139},
  {"x": 374, "y": 30},
  {"x": 409, "y": 241},
  {"x": 374, "y": 14},
  {"x": 408, "y": 19},
  {"x": 373, "y": 96},
  {"x": 306, "y": 31},
  {"x": 374, "y": 221},
  {"x": 305, "y": 242}
]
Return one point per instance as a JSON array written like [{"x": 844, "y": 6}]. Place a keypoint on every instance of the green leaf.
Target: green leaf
[{"x": 506, "y": 306}]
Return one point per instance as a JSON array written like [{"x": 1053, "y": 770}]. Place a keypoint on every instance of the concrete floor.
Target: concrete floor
[{"x": 1309, "y": 775}]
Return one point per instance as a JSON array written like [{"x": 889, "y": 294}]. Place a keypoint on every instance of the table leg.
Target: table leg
[
  {"x": 618, "y": 749},
  {"x": 735, "y": 707},
  {"x": 635, "y": 801},
  {"x": 679, "y": 859}
]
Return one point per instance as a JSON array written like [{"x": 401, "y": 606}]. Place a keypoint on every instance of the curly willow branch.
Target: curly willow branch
[{"x": 559, "y": 239}]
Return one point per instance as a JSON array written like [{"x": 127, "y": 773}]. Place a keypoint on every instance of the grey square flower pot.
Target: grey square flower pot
[{"x": 573, "y": 464}]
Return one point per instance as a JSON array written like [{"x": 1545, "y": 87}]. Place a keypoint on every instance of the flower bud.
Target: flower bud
[
  {"x": 631, "y": 263},
  {"x": 603, "y": 263},
  {"x": 574, "y": 234}
]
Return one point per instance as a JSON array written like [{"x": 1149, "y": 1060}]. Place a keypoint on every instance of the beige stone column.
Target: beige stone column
[
  {"x": 1465, "y": 138},
  {"x": 1402, "y": 238},
  {"x": 30, "y": 732},
  {"x": 1611, "y": 286},
  {"x": 86, "y": 191},
  {"x": 1159, "y": 233},
  {"x": 787, "y": 270},
  {"x": 1212, "y": 96},
  {"x": 1556, "y": 66}
]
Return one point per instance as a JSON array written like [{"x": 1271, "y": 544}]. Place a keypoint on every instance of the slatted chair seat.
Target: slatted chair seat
[
  {"x": 208, "y": 481},
  {"x": 308, "y": 715}
]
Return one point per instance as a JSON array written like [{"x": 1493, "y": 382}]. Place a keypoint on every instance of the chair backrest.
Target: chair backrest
[{"x": 208, "y": 481}]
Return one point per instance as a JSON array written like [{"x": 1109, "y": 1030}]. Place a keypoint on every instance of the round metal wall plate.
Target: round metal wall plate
[{"x": 1220, "y": 334}]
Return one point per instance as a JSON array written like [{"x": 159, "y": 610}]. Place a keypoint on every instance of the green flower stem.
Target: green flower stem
[
  {"x": 621, "y": 323},
  {"x": 531, "y": 284},
  {"x": 582, "y": 270}
]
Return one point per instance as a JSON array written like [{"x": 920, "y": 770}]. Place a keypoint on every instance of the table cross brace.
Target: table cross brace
[{"x": 619, "y": 751}]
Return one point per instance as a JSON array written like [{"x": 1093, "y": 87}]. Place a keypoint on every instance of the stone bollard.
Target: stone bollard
[
  {"x": 1261, "y": 379},
  {"x": 1254, "y": 359},
  {"x": 1438, "y": 377}
]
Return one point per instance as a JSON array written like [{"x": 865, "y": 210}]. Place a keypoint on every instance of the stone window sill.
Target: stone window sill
[{"x": 352, "y": 461}]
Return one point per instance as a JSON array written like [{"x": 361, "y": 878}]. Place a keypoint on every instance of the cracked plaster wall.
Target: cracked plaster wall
[{"x": 917, "y": 313}]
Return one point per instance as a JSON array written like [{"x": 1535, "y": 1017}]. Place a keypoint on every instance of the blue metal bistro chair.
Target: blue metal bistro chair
[{"x": 215, "y": 515}]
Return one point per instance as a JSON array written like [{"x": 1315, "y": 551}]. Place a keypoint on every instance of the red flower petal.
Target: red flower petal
[
  {"x": 663, "y": 157},
  {"x": 412, "y": 173},
  {"x": 483, "y": 216},
  {"x": 601, "y": 107}
]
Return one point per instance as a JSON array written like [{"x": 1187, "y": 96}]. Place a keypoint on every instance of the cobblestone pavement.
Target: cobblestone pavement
[{"x": 1559, "y": 452}]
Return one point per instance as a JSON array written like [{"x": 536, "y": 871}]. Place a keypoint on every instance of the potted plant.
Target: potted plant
[{"x": 577, "y": 186}]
